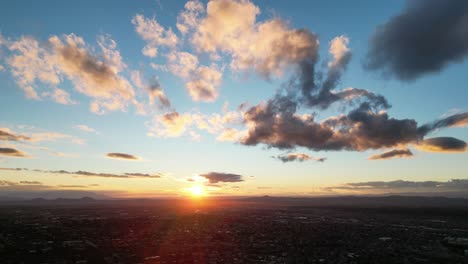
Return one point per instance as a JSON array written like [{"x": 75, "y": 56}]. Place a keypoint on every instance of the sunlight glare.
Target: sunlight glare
[{"x": 196, "y": 191}]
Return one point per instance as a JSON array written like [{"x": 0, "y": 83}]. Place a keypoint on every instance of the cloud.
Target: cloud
[
  {"x": 33, "y": 136},
  {"x": 60, "y": 96},
  {"x": 406, "y": 47},
  {"x": 276, "y": 124},
  {"x": 44, "y": 66},
  {"x": 143, "y": 175},
  {"x": 201, "y": 81},
  {"x": 105, "y": 175},
  {"x": 175, "y": 124},
  {"x": 13, "y": 169},
  {"x": 154, "y": 34},
  {"x": 216, "y": 177},
  {"x": 122, "y": 156},
  {"x": 297, "y": 157},
  {"x": 171, "y": 124},
  {"x": 31, "y": 182},
  {"x": 267, "y": 47},
  {"x": 442, "y": 144},
  {"x": 12, "y": 152},
  {"x": 86, "y": 128},
  {"x": 455, "y": 120},
  {"x": 189, "y": 18},
  {"x": 8, "y": 135},
  {"x": 153, "y": 88},
  {"x": 401, "y": 185},
  {"x": 399, "y": 153}
]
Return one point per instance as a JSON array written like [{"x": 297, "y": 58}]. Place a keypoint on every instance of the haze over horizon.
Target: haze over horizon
[{"x": 233, "y": 98}]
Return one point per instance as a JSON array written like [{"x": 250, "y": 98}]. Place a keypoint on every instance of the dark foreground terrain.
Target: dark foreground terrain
[{"x": 258, "y": 230}]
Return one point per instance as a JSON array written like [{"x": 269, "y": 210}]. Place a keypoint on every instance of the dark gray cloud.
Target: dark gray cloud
[
  {"x": 460, "y": 119},
  {"x": 8, "y": 136},
  {"x": 117, "y": 155},
  {"x": 276, "y": 124},
  {"x": 400, "y": 153},
  {"x": 156, "y": 93},
  {"x": 288, "y": 157},
  {"x": 215, "y": 177},
  {"x": 425, "y": 37},
  {"x": 12, "y": 152},
  {"x": 442, "y": 144}
]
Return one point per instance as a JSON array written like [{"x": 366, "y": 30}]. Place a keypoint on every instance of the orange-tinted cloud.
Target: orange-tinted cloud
[{"x": 442, "y": 144}]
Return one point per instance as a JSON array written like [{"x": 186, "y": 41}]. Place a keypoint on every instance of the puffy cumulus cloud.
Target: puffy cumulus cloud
[
  {"x": 407, "y": 48},
  {"x": 201, "y": 81},
  {"x": 230, "y": 134},
  {"x": 442, "y": 144},
  {"x": 171, "y": 124},
  {"x": 268, "y": 47},
  {"x": 394, "y": 153},
  {"x": 8, "y": 135},
  {"x": 217, "y": 177},
  {"x": 91, "y": 76},
  {"x": 190, "y": 17},
  {"x": 32, "y": 62},
  {"x": 154, "y": 34},
  {"x": 297, "y": 157},
  {"x": 43, "y": 66},
  {"x": 124, "y": 156},
  {"x": 11, "y": 152},
  {"x": 204, "y": 84}
]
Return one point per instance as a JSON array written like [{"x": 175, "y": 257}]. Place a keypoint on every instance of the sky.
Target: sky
[{"x": 224, "y": 97}]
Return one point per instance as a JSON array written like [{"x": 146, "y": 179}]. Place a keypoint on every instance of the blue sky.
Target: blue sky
[{"x": 59, "y": 140}]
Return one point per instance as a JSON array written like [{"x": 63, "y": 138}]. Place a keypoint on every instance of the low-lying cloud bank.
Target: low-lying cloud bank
[
  {"x": 454, "y": 185},
  {"x": 105, "y": 175}
]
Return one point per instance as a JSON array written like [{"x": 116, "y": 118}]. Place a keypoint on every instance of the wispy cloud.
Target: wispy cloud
[
  {"x": 394, "y": 153},
  {"x": 86, "y": 128}
]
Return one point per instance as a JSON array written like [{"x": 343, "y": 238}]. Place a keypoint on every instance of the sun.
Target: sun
[{"x": 196, "y": 191}]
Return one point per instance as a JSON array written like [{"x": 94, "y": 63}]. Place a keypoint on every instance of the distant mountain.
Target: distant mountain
[{"x": 50, "y": 195}]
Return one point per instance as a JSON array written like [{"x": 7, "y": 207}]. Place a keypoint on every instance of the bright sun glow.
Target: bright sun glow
[{"x": 196, "y": 191}]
